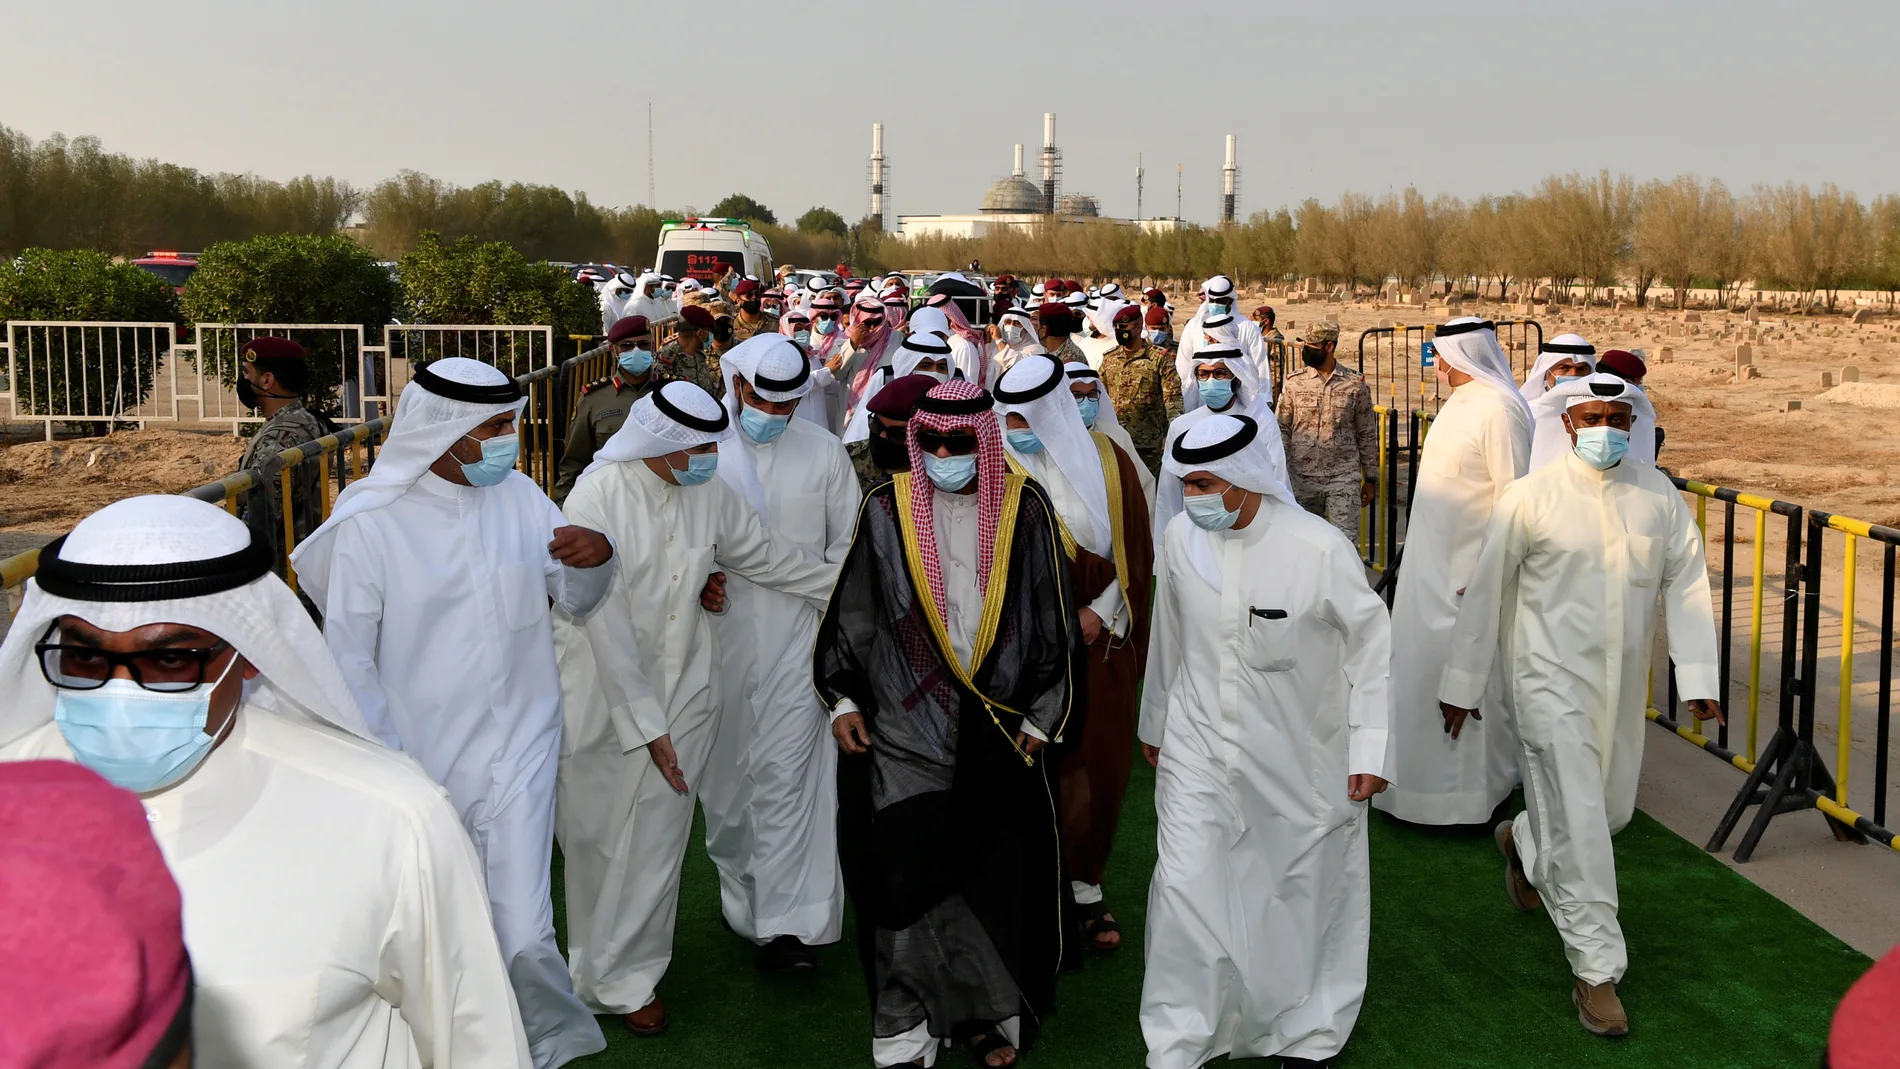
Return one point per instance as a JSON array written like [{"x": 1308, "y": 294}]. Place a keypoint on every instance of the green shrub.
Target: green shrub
[
  {"x": 292, "y": 278},
  {"x": 477, "y": 283},
  {"x": 91, "y": 371}
]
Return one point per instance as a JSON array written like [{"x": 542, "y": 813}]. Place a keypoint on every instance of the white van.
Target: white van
[{"x": 703, "y": 248}]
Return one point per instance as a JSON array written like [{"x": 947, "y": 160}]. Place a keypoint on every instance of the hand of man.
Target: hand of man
[
  {"x": 578, "y": 547},
  {"x": 1368, "y": 491},
  {"x": 668, "y": 762},
  {"x": 1455, "y": 718},
  {"x": 1362, "y": 786},
  {"x": 852, "y": 735},
  {"x": 1028, "y": 743},
  {"x": 1153, "y": 754},
  {"x": 837, "y": 361},
  {"x": 1091, "y": 626},
  {"x": 1707, "y": 708},
  {"x": 713, "y": 597}
]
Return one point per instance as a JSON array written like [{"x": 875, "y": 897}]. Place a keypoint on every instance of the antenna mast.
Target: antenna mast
[
  {"x": 1137, "y": 187},
  {"x": 1177, "y": 191}
]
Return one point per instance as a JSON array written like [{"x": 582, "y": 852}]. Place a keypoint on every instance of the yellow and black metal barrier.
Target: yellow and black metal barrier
[
  {"x": 347, "y": 455},
  {"x": 1394, "y": 360},
  {"x": 1790, "y": 773}
]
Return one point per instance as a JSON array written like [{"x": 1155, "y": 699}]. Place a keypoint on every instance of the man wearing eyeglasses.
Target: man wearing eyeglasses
[{"x": 334, "y": 907}]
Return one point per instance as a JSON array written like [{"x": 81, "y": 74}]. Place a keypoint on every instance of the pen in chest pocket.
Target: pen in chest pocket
[{"x": 1264, "y": 614}]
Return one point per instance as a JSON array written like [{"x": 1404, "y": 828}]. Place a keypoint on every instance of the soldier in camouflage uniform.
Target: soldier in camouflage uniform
[
  {"x": 1331, "y": 433},
  {"x": 1056, "y": 322},
  {"x": 887, "y": 450},
  {"x": 1140, "y": 380},
  {"x": 274, "y": 377},
  {"x": 688, "y": 355},
  {"x": 751, "y": 318},
  {"x": 605, "y": 402}
]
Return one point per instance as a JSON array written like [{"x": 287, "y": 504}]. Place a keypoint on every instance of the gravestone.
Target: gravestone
[
  {"x": 1692, "y": 317},
  {"x": 1827, "y": 379},
  {"x": 1850, "y": 373}
]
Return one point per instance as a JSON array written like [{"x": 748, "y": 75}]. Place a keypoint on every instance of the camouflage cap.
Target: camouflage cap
[{"x": 1320, "y": 332}]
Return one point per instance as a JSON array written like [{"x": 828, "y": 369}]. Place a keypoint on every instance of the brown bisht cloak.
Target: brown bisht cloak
[{"x": 1092, "y": 763}]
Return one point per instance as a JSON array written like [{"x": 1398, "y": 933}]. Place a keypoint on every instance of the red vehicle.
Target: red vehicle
[{"x": 174, "y": 268}]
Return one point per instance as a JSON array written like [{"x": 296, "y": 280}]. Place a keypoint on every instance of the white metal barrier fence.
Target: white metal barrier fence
[{"x": 143, "y": 373}]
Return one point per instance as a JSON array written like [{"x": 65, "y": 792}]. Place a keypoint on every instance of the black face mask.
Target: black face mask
[
  {"x": 249, "y": 395},
  {"x": 888, "y": 454},
  {"x": 1125, "y": 337},
  {"x": 1312, "y": 357},
  {"x": 722, "y": 330},
  {"x": 751, "y": 307}
]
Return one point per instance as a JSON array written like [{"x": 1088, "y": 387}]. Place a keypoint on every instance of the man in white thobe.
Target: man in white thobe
[
  {"x": 1219, "y": 313},
  {"x": 434, "y": 574},
  {"x": 770, "y": 790},
  {"x": 1576, "y": 559},
  {"x": 1550, "y": 442},
  {"x": 1224, "y": 384},
  {"x": 333, "y": 905},
  {"x": 642, "y": 687},
  {"x": 1479, "y": 444},
  {"x": 1264, "y": 714}
]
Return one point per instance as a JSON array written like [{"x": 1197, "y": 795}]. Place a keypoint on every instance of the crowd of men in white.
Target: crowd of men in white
[{"x": 362, "y": 817}]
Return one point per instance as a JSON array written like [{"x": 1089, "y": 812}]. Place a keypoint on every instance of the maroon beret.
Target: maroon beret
[
  {"x": 1623, "y": 364},
  {"x": 270, "y": 348},
  {"x": 1051, "y": 312},
  {"x": 898, "y": 399},
  {"x": 1155, "y": 315},
  {"x": 91, "y": 925},
  {"x": 744, "y": 286},
  {"x": 1127, "y": 311},
  {"x": 697, "y": 315},
  {"x": 628, "y": 327}
]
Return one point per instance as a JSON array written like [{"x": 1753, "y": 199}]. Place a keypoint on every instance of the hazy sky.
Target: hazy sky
[{"x": 776, "y": 101}]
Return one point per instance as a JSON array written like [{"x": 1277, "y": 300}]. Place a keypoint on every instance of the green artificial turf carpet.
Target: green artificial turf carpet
[{"x": 1722, "y": 973}]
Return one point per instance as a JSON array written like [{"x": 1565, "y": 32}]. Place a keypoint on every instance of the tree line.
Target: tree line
[
  {"x": 1580, "y": 232},
  {"x": 70, "y": 193}
]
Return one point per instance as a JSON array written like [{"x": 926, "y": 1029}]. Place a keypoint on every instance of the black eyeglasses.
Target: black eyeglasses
[
  {"x": 959, "y": 443},
  {"x": 166, "y": 671}
]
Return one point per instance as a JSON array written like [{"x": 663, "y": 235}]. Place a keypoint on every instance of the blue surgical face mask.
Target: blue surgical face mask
[
  {"x": 636, "y": 361},
  {"x": 1155, "y": 337},
  {"x": 802, "y": 337},
  {"x": 1217, "y": 393},
  {"x": 138, "y": 739},
  {"x": 1555, "y": 379},
  {"x": 761, "y": 427},
  {"x": 1209, "y": 512},
  {"x": 950, "y": 473},
  {"x": 824, "y": 328},
  {"x": 498, "y": 459},
  {"x": 1216, "y": 309},
  {"x": 1024, "y": 440},
  {"x": 699, "y": 469},
  {"x": 1602, "y": 447},
  {"x": 1091, "y": 408}
]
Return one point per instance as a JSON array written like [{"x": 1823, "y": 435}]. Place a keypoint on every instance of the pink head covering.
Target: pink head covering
[
  {"x": 896, "y": 306},
  {"x": 91, "y": 929},
  {"x": 823, "y": 344},
  {"x": 958, "y": 405},
  {"x": 861, "y": 309}
]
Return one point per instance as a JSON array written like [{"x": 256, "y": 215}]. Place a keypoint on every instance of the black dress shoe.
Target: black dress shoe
[{"x": 786, "y": 954}]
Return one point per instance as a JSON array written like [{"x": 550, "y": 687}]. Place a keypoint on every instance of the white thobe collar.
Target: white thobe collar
[{"x": 436, "y": 485}]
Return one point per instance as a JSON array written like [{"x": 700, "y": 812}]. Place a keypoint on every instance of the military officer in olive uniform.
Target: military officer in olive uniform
[
  {"x": 1139, "y": 377},
  {"x": 604, "y": 403},
  {"x": 689, "y": 355},
  {"x": 273, "y": 377},
  {"x": 1331, "y": 433}
]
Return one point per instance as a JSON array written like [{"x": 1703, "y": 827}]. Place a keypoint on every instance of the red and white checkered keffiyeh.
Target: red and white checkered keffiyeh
[{"x": 990, "y": 470}]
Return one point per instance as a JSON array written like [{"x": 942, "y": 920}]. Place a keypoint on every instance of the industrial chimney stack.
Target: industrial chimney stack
[
  {"x": 1018, "y": 172},
  {"x": 1230, "y": 186},
  {"x": 877, "y": 171},
  {"x": 1051, "y": 163}
]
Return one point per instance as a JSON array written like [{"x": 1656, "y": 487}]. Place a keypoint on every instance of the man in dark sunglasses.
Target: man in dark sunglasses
[{"x": 156, "y": 648}]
